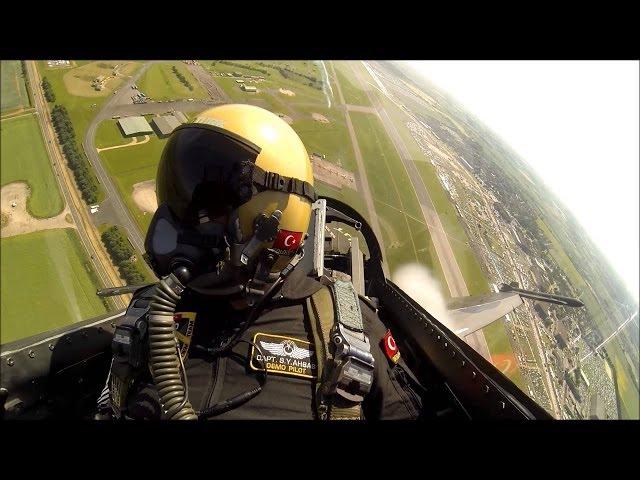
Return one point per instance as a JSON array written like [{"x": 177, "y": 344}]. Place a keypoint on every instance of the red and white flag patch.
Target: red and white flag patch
[
  {"x": 286, "y": 240},
  {"x": 390, "y": 348}
]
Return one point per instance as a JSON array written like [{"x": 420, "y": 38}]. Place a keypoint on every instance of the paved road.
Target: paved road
[
  {"x": 155, "y": 108},
  {"x": 451, "y": 269},
  {"x": 361, "y": 177},
  {"x": 124, "y": 218},
  {"x": 88, "y": 236}
]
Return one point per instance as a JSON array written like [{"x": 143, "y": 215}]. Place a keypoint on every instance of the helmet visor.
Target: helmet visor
[{"x": 205, "y": 167}]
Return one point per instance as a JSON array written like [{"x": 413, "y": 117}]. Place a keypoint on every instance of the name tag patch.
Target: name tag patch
[
  {"x": 185, "y": 322},
  {"x": 283, "y": 355}
]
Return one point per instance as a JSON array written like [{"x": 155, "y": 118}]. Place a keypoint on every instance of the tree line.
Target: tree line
[
  {"x": 23, "y": 65},
  {"x": 48, "y": 90},
  {"x": 182, "y": 78},
  {"x": 242, "y": 65},
  {"x": 76, "y": 160},
  {"x": 121, "y": 253},
  {"x": 288, "y": 73}
]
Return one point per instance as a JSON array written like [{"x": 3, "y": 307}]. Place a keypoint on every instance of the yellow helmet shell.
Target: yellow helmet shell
[{"x": 282, "y": 152}]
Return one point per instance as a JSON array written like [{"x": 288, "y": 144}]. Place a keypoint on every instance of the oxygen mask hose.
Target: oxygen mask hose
[{"x": 164, "y": 358}]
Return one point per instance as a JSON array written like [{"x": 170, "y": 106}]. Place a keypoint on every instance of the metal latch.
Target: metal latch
[{"x": 353, "y": 365}]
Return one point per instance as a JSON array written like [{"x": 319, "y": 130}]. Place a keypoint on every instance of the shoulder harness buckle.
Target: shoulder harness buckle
[{"x": 347, "y": 373}]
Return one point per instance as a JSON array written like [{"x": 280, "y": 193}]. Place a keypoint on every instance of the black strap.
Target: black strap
[{"x": 274, "y": 181}]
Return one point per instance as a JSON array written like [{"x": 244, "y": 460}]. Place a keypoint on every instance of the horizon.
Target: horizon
[{"x": 538, "y": 109}]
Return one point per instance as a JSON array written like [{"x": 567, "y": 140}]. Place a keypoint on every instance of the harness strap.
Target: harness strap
[
  {"x": 345, "y": 364},
  {"x": 274, "y": 181}
]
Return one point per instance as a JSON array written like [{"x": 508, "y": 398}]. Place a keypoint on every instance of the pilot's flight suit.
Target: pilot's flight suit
[{"x": 283, "y": 334}]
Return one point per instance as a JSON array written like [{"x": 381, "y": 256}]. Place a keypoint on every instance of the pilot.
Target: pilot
[{"x": 236, "y": 329}]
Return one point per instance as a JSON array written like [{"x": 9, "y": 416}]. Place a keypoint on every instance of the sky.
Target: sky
[{"x": 576, "y": 124}]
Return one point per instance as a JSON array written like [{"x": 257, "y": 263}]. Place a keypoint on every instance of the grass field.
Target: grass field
[
  {"x": 131, "y": 165},
  {"x": 108, "y": 134},
  {"x": 13, "y": 93},
  {"x": 160, "y": 83},
  {"x": 498, "y": 342},
  {"x": 406, "y": 236},
  {"x": 47, "y": 283},
  {"x": 331, "y": 139},
  {"x": 24, "y": 158},
  {"x": 274, "y": 80},
  {"x": 353, "y": 95}
]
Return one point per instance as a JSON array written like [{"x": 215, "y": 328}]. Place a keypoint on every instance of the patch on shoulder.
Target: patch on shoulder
[
  {"x": 283, "y": 355},
  {"x": 390, "y": 348}
]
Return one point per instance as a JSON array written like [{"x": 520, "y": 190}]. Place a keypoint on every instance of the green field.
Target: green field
[
  {"x": 131, "y": 165},
  {"x": 268, "y": 95},
  {"x": 24, "y": 158},
  {"x": 13, "y": 95},
  {"x": 406, "y": 236},
  {"x": 47, "y": 283},
  {"x": 352, "y": 93},
  {"x": 108, "y": 134},
  {"x": 498, "y": 341},
  {"x": 160, "y": 83},
  {"x": 331, "y": 139}
]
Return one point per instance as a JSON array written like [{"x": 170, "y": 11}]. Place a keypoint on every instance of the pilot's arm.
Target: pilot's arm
[{"x": 395, "y": 394}]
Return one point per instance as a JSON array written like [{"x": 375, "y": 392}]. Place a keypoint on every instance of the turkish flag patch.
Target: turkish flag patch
[
  {"x": 286, "y": 240},
  {"x": 390, "y": 348}
]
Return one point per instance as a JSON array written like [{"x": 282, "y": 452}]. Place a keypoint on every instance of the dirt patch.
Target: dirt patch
[
  {"x": 80, "y": 81},
  {"x": 4, "y": 220},
  {"x": 286, "y": 118},
  {"x": 505, "y": 362},
  {"x": 286, "y": 92},
  {"x": 134, "y": 141},
  {"x": 320, "y": 118},
  {"x": 68, "y": 218},
  {"x": 327, "y": 172},
  {"x": 144, "y": 196},
  {"x": 18, "y": 220}
]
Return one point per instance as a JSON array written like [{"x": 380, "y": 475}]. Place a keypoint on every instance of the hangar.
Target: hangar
[
  {"x": 134, "y": 126},
  {"x": 165, "y": 125},
  {"x": 181, "y": 116}
]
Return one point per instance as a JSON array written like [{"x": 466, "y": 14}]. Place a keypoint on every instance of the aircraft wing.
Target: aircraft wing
[
  {"x": 468, "y": 314},
  {"x": 465, "y": 315}
]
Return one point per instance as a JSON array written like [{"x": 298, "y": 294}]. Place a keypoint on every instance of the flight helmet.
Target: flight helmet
[{"x": 232, "y": 186}]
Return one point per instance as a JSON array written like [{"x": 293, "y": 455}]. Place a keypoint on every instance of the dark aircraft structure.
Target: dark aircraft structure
[{"x": 60, "y": 374}]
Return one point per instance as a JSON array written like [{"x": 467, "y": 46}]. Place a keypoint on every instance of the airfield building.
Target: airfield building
[
  {"x": 165, "y": 125},
  {"x": 248, "y": 88},
  {"x": 182, "y": 117},
  {"x": 134, "y": 126}
]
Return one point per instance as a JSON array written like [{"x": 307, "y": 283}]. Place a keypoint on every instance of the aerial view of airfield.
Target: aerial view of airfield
[{"x": 456, "y": 211}]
